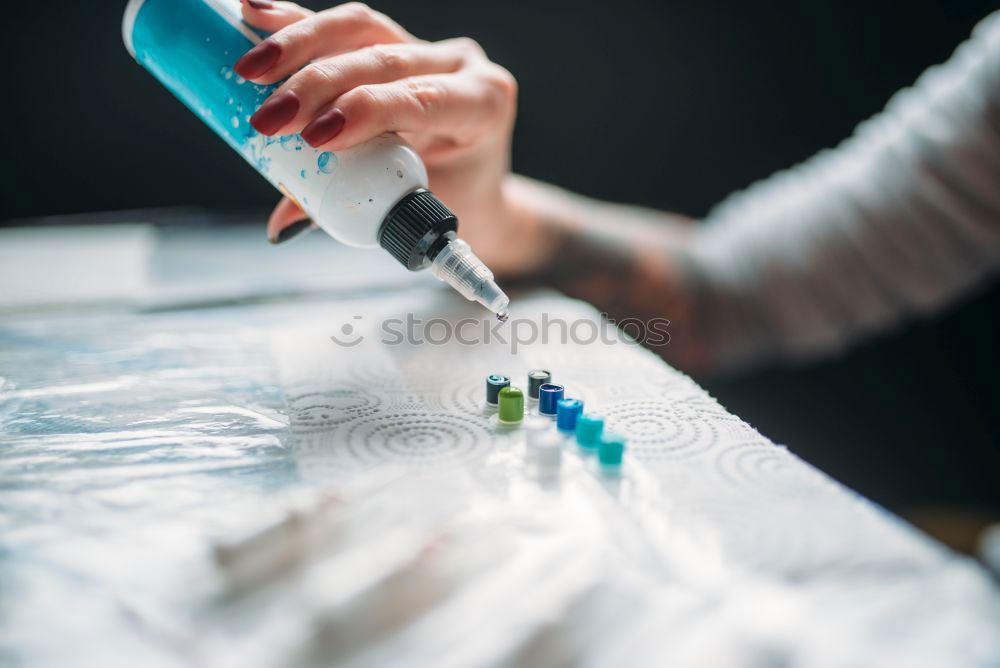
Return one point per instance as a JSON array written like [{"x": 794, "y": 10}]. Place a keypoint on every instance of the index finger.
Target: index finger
[
  {"x": 273, "y": 16},
  {"x": 331, "y": 31}
]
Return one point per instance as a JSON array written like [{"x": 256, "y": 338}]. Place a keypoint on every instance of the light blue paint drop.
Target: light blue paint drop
[
  {"x": 327, "y": 162},
  {"x": 302, "y": 173}
]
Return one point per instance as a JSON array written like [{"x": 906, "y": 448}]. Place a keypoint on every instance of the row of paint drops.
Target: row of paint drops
[{"x": 559, "y": 420}]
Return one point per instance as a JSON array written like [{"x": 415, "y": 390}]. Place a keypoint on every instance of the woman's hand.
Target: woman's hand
[{"x": 353, "y": 73}]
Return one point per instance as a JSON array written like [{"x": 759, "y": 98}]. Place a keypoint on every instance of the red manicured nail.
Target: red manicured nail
[
  {"x": 260, "y": 4},
  {"x": 324, "y": 127},
  {"x": 258, "y": 60},
  {"x": 275, "y": 113}
]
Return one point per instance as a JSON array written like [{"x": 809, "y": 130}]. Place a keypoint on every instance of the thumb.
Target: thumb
[{"x": 286, "y": 214}]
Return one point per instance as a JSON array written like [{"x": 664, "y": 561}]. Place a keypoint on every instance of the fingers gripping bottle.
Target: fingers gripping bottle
[{"x": 370, "y": 195}]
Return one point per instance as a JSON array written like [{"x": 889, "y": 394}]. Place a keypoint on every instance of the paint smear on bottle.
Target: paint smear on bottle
[{"x": 327, "y": 162}]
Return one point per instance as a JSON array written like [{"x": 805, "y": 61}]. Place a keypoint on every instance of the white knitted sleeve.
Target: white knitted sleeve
[{"x": 897, "y": 221}]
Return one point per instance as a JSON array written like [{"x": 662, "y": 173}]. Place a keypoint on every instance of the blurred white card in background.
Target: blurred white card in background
[
  {"x": 150, "y": 267},
  {"x": 74, "y": 265}
]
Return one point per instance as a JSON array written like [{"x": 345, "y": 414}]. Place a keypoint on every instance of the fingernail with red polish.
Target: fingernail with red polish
[
  {"x": 258, "y": 60},
  {"x": 276, "y": 112},
  {"x": 324, "y": 127},
  {"x": 260, "y": 4}
]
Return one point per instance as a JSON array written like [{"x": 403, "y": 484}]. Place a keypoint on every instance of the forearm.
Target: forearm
[
  {"x": 899, "y": 220},
  {"x": 627, "y": 261}
]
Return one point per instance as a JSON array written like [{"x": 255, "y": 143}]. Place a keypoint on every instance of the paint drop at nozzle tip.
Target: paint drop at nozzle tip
[{"x": 503, "y": 316}]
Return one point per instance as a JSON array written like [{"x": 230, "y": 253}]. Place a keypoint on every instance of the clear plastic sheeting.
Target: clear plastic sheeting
[
  {"x": 126, "y": 441},
  {"x": 222, "y": 483}
]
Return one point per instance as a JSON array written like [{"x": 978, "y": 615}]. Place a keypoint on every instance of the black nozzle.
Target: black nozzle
[{"x": 416, "y": 229}]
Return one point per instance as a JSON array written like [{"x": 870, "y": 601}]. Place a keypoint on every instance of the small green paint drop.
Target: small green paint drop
[{"x": 511, "y": 408}]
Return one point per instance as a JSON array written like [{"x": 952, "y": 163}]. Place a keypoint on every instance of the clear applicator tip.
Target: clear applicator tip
[{"x": 458, "y": 266}]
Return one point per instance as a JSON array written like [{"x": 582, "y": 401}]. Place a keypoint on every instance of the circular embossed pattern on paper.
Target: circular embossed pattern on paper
[
  {"x": 413, "y": 438},
  {"x": 321, "y": 411}
]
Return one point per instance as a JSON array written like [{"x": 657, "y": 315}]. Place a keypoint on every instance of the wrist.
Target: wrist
[{"x": 534, "y": 227}]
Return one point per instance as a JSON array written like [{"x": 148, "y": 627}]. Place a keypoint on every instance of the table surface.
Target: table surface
[{"x": 194, "y": 473}]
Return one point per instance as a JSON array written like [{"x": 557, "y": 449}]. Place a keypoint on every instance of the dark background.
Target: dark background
[{"x": 668, "y": 104}]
